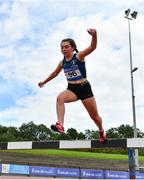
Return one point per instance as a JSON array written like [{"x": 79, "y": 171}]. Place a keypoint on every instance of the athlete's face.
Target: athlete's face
[{"x": 66, "y": 48}]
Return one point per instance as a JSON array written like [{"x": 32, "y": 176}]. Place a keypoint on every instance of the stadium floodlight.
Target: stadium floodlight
[
  {"x": 134, "y": 14},
  {"x": 130, "y": 16}
]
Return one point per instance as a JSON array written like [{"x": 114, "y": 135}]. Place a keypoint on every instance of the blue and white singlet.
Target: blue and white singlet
[{"x": 74, "y": 69}]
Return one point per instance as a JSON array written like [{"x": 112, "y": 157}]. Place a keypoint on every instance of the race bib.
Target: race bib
[{"x": 73, "y": 73}]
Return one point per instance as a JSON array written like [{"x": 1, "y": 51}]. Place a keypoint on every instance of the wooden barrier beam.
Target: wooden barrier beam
[{"x": 74, "y": 144}]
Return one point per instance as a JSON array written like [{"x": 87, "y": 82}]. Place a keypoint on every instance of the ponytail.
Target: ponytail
[{"x": 76, "y": 50}]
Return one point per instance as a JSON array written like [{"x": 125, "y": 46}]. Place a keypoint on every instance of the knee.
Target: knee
[{"x": 60, "y": 99}]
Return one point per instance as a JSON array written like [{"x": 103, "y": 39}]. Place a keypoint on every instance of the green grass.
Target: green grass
[{"x": 74, "y": 154}]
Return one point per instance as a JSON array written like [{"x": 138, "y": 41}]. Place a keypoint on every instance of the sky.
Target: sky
[{"x": 30, "y": 36}]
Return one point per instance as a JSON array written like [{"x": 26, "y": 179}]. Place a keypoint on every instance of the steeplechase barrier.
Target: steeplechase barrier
[{"x": 129, "y": 143}]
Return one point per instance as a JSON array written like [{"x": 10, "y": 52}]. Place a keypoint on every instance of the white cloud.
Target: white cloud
[
  {"x": 15, "y": 25},
  {"x": 7, "y": 52}
]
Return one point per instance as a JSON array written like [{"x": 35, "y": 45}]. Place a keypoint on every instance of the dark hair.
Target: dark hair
[{"x": 72, "y": 43}]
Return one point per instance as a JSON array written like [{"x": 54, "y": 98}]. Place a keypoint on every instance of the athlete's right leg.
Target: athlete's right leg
[{"x": 64, "y": 97}]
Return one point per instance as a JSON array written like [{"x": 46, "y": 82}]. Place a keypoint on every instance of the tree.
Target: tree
[
  {"x": 72, "y": 133},
  {"x": 91, "y": 134},
  {"x": 28, "y": 131},
  {"x": 58, "y": 136},
  {"x": 32, "y": 132},
  {"x": 125, "y": 131},
  {"x": 81, "y": 136},
  {"x": 3, "y": 129},
  {"x": 14, "y": 133},
  {"x": 140, "y": 134},
  {"x": 9, "y": 134},
  {"x": 43, "y": 132},
  {"x": 112, "y": 133}
]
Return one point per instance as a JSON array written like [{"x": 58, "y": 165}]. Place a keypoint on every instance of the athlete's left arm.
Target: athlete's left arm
[{"x": 81, "y": 55}]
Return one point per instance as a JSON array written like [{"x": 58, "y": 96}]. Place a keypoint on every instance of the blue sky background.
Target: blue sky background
[{"x": 30, "y": 36}]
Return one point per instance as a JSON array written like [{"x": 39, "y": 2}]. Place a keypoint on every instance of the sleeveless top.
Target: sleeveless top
[{"x": 74, "y": 69}]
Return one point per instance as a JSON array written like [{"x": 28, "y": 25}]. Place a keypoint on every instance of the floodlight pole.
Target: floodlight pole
[
  {"x": 132, "y": 91},
  {"x": 132, "y": 83}
]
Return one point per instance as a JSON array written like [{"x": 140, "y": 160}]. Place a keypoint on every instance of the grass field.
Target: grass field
[{"x": 75, "y": 154}]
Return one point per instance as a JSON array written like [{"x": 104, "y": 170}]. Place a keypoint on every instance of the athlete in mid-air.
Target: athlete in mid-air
[{"x": 78, "y": 87}]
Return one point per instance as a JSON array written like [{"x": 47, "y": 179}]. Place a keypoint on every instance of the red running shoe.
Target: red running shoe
[
  {"x": 58, "y": 127},
  {"x": 102, "y": 136}
]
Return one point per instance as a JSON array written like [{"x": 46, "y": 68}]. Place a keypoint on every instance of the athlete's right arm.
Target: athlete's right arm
[{"x": 52, "y": 75}]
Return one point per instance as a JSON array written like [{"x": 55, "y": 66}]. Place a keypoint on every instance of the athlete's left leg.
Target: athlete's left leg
[{"x": 91, "y": 107}]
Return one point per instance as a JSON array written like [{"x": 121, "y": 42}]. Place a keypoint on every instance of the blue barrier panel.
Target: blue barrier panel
[
  {"x": 139, "y": 175},
  {"x": 42, "y": 171},
  {"x": 92, "y": 174},
  {"x": 65, "y": 172},
  {"x": 18, "y": 169},
  {"x": 116, "y": 175},
  {"x": 68, "y": 172},
  {"x": 132, "y": 166}
]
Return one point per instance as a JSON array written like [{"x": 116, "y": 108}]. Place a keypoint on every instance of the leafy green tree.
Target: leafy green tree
[
  {"x": 14, "y": 133},
  {"x": 81, "y": 136},
  {"x": 29, "y": 131},
  {"x": 58, "y": 136},
  {"x": 9, "y": 134},
  {"x": 43, "y": 133},
  {"x": 112, "y": 133},
  {"x": 72, "y": 133},
  {"x": 3, "y": 129},
  {"x": 91, "y": 134},
  {"x": 140, "y": 134},
  {"x": 33, "y": 132},
  {"x": 6, "y": 137},
  {"x": 125, "y": 131}
]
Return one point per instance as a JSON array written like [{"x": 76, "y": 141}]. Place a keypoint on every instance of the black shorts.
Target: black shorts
[{"x": 82, "y": 90}]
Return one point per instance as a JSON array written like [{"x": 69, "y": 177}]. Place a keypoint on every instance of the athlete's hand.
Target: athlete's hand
[
  {"x": 41, "y": 84},
  {"x": 92, "y": 32}
]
